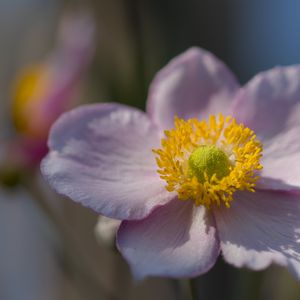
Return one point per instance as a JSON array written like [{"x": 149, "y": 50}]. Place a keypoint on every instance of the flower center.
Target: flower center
[
  {"x": 29, "y": 91},
  {"x": 207, "y": 162}
]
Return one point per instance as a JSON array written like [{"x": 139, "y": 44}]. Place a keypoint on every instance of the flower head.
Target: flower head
[
  {"x": 211, "y": 167},
  {"x": 207, "y": 163},
  {"x": 45, "y": 90}
]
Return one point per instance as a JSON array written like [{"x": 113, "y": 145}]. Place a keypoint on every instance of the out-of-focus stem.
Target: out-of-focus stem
[
  {"x": 79, "y": 259},
  {"x": 193, "y": 290},
  {"x": 132, "y": 7}
]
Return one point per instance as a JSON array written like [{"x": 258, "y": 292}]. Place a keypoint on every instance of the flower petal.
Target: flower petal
[
  {"x": 176, "y": 240},
  {"x": 281, "y": 161},
  {"x": 194, "y": 84},
  {"x": 100, "y": 155},
  {"x": 261, "y": 228},
  {"x": 270, "y": 102}
]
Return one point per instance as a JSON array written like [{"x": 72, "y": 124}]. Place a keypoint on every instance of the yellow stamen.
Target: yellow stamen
[{"x": 209, "y": 161}]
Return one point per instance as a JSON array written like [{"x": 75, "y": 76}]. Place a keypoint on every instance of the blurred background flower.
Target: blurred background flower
[
  {"x": 42, "y": 88},
  {"x": 47, "y": 88},
  {"x": 134, "y": 40}
]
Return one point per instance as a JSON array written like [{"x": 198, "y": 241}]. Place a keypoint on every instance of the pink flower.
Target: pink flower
[
  {"x": 203, "y": 191},
  {"x": 45, "y": 90}
]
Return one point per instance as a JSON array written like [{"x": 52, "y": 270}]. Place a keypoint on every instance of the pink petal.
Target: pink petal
[
  {"x": 270, "y": 102},
  {"x": 68, "y": 63},
  {"x": 281, "y": 161},
  {"x": 176, "y": 240},
  {"x": 100, "y": 156},
  {"x": 61, "y": 73},
  {"x": 194, "y": 84},
  {"x": 261, "y": 228}
]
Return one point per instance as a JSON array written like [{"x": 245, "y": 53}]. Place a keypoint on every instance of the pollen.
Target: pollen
[{"x": 208, "y": 161}]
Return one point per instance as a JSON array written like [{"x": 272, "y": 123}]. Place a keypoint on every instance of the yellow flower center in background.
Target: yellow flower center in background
[
  {"x": 29, "y": 91},
  {"x": 208, "y": 161}
]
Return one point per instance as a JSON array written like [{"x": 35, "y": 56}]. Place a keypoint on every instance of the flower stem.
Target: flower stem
[
  {"x": 77, "y": 257},
  {"x": 193, "y": 289}
]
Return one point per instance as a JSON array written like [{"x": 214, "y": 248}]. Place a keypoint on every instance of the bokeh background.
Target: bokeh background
[{"x": 49, "y": 248}]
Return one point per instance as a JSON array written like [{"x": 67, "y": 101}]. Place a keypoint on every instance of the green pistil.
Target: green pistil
[{"x": 208, "y": 160}]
